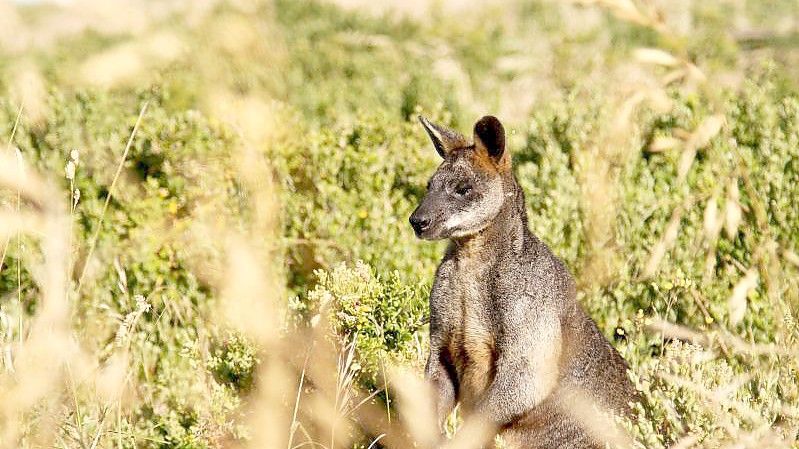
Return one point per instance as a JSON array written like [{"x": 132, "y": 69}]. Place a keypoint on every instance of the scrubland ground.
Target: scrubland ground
[{"x": 203, "y": 211}]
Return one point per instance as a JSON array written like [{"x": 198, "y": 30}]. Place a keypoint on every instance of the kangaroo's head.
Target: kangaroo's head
[{"x": 467, "y": 190}]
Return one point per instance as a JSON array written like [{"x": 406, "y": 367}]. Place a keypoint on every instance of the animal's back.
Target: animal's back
[{"x": 590, "y": 370}]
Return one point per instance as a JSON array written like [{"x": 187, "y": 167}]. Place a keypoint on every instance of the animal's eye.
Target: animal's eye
[{"x": 462, "y": 189}]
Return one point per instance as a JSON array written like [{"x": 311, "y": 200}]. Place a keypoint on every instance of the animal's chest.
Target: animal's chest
[{"x": 467, "y": 330}]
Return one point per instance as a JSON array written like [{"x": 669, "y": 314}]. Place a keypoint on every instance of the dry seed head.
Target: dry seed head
[
  {"x": 130, "y": 320},
  {"x": 712, "y": 224},
  {"x": 706, "y": 130},
  {"x": 732, "y": 210},
  {"x": 660, "y": 144},
  {"x": 665, "y": 243},
  {"x": 737, "y": 302},
  {"x": 697, "y": 140},
  {"x": 655, "y": 56},
  {"x": 694, "y": 73},
  {"x": 69, "y": 170}
]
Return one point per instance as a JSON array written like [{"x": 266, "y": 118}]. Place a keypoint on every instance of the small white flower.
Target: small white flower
[
  {"x": 70, "y": 169},
  {"x": 141, "y": 304}
]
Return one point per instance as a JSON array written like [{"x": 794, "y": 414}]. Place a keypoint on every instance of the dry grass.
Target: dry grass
[{"x": 307, "y": 393}]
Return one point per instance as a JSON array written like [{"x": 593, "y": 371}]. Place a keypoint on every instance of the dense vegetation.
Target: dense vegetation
[{"x": 268, "y": 151}]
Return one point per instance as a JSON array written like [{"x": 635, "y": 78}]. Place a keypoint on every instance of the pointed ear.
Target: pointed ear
[
  {"x": 489, "y": 135},
  {"x": 444, "y": 139}
]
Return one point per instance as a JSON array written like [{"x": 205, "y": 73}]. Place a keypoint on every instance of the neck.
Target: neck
[{"x": 505, "y": 233}]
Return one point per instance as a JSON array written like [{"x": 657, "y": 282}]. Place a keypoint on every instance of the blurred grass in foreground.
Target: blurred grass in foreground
[{"x": 203, "y": 211}]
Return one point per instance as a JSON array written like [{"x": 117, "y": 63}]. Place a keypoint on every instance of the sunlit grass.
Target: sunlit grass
[{"x": 203, "y": 213}]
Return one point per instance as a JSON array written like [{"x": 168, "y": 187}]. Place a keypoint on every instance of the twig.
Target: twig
[
  {"x": 297, "y": 400},
  {"x": 96, "y": 235}
]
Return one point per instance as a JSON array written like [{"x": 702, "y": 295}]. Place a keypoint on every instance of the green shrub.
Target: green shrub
[
  {"x": 691, "y": 391},
  {"x": 348, "y": 192},
  {"x": 234, "y": 361},
  {"x": 369, "y": 64},
  {"x": 352, "y": 164},
  {"x": 755, "y": 151},
  {"x": 141, "y": 293},
  {"x": 383, "y": 315}
]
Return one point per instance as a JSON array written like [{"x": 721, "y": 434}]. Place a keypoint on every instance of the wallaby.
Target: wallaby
[{"x": 508, "y": 339}]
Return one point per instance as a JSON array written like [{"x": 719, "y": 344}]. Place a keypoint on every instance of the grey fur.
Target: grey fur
[{"x": 508, "y": 340}]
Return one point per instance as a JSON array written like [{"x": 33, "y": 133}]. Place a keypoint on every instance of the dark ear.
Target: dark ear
[
  {"x": 489, "y": 134},
  {"x": 444, "y": 139}
]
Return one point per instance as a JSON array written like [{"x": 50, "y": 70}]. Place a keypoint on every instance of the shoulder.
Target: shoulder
[
  {"x": 443, "y": 278},
  {"x": 547, "y": 266},
  {"x": 536, "y": 278}
]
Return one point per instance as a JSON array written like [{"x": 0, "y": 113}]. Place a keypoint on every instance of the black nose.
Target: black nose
[{"x": 420, "y": 224}]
